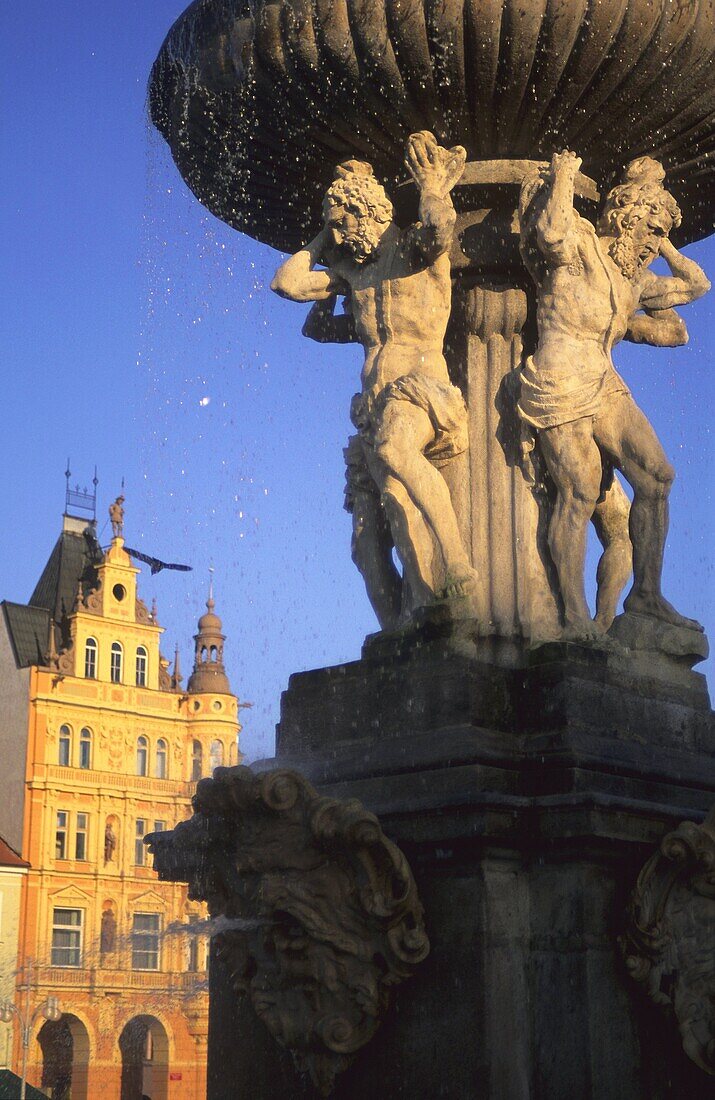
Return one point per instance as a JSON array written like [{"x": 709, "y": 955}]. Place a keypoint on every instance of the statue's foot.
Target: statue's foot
[
  {"x": 583, "y": 630},
  {"x": 659, "y": 608},
  {"x": 459, "y": 586}
]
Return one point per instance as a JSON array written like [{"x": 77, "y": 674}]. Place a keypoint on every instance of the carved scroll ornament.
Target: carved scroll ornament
[
  {"x": 669, "y": 945},
  {"x": 319, "y": 912}
]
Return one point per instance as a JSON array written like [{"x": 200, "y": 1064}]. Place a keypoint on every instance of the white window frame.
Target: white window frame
[
  {"x": 64, "y": 831},
  {"x": 62, "y": 741},
  {"x": 141, "y": 666},
  {"x": 81, "y": 832},
  {"x": 145, "y": 932},
  {"x": 91, "y": 647},
  {"x": 116, "y": 663},
  {"x": 64, "y": 927}
]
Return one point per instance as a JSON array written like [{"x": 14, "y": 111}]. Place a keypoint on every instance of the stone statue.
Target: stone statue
[
  {"x": 592, "y": 285},
  {"x": 110, "y": 843},
  {"x": 108, "y": 933},
  {"x": 116, "y": 516},
  {"x": 319, "y": 912},
  {"x": 409, "y": 416},
  {"x": 668, "y": 944}
]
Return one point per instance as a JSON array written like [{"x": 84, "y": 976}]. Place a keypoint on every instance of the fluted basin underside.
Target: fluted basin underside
[{"x": 258, "y": 100}]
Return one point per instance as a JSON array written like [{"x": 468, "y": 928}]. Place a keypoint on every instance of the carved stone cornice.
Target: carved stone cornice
[
  {"x": 669, "y": 943},
  {"x": 318, "y": 911}
]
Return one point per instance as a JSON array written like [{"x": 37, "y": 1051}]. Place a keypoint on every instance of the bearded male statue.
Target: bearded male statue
[
  {"x": 409, "y": 416},
  {"x": 595, "y": 289}
]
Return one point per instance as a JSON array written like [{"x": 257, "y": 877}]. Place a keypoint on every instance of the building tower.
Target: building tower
[{"x": 101, "y": 747}]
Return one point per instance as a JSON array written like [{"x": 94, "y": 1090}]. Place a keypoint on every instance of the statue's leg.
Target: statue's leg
[
  {"x": 625, "y": 433},
  {"x": 574, "y": 462},
  {"x": 409, "y": 535},
  {"x": 404, "y": 432},
  {"x": 372, "y": 545},
  {"x": 615, "y": 566}
]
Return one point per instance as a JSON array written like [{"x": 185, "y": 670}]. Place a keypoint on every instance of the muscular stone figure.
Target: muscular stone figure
[
  {"x": 591, "y": 285},
  {"x": 408, "y": 415}
]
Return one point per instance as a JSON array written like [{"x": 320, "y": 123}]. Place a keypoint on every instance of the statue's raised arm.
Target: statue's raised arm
[{"x": 435, "y": 171}]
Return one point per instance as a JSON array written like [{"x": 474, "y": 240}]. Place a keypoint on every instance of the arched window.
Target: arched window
[
  {"x": 142, "y": 755},
  {"x": 65, "y": 750},
  {"x": 161, "y": 757},
  {"x": 141, "y": 666},
  {"x": 213, "y": 652},
  {"x": 216, "y": 754},
  {"x": 233, "y": 753},
  {"x": 85, "y": 748},
  {"x": 90, "y": 659},
  {"x": 197, "y": 762},
  {"x": 115, "y": 666}
]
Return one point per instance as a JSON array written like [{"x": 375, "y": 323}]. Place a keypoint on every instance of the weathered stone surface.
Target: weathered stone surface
[
  {"x": 259, "y": 101},
  {"x": 319, "y": 914},
  {"x": 646, "y": 634},
  {"x": 669, "y": 943},
  {"x": 526, "y": 787}
]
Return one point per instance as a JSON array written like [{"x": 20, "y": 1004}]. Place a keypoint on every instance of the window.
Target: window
[
  {"x": 139, "y": 848},
  {"x": 141, "y": 666},
  {"x": 115, "y": 664},
  {"x": 196, "y": 760},
  {"x": 67, "y": 937},
  {"x": 80, "y": 837},
  {"x": 85, "y": 748},
  {"x": 90, "y": 659},
  {"x": 61, "y": 835},
  {"x": 146, "y": 930},
  {"x": 65, "y": 750},
  {"x": 216, "y": 754},
  {"x": 161, "y": 757},
  {"x": 159, "y": 826},
  {"x": 142, "y": 755}
]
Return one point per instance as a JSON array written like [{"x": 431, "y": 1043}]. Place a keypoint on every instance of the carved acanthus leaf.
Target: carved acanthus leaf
[
  {"x": 319, "y": 910},
  {"x": 669, "y": 944}
]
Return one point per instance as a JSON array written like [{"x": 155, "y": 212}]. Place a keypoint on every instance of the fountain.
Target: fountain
[{"x": 525, "y": 760}]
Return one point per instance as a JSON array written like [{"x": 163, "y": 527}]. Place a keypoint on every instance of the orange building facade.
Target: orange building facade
[{"x": 113, "y": 747}]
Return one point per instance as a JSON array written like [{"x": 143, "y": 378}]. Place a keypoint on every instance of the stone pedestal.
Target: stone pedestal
[{"x": 526, "y": 787}]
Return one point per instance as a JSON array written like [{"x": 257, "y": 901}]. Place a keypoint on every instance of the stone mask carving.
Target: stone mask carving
[
  {"x": 318, "y": 910},
  {"x": 669, "y": 946}
]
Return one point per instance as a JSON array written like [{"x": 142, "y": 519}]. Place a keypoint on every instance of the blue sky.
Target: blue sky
[{"x": 138, "y": 333}]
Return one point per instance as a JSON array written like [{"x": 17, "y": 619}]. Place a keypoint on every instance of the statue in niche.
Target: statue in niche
[
  {"x": 110, "y": 843},
  {"x": 108, "y": 933},
  {"x": 409, "y": 417},
  {"x": 595, "y": 289}
]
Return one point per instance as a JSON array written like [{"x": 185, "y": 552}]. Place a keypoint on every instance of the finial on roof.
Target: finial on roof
[
  {"x": 154, "y": 612},
  {"x": 176, "y": 676},
  {"x": 79, "y": 597},
  {"x": 52, "y": 656}
]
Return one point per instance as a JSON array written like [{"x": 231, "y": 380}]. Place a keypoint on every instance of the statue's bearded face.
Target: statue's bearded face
[
  {"x": 356, "y": 233},
  {"x": 638, "y": 231},
  {"x": 638, "y": 238}
]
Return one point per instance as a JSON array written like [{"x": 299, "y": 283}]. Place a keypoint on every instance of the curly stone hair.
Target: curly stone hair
[
  {"x": 640, "y": 193},
  {"x": 357, "y": 190}
]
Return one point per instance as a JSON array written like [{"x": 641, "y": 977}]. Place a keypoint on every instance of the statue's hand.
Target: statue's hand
[
  {"x": 564, "y": 164},
  {"x": 432, "y": 167}
]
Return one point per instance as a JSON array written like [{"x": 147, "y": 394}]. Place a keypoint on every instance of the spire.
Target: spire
[
  {"x": 52, "y": 656},
  {"x": 176, "y": 676},
  {"x": 209, "y": 673}
]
